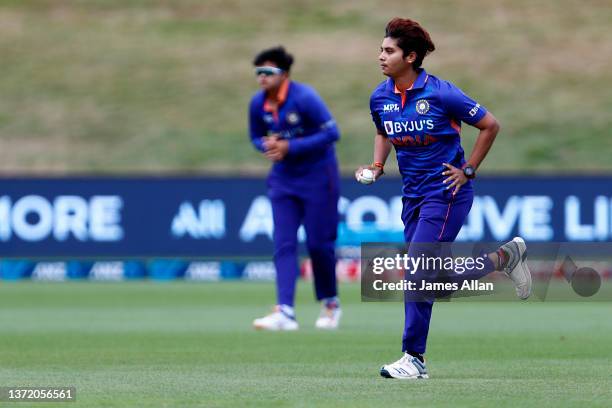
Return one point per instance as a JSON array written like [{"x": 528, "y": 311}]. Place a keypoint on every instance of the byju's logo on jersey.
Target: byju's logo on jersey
[
  {"x": 422, "y": 106},
  {"x": 392, "y": 127},
  {"x": 474, "y": 110},
  {"x": 389, "y": 127},
  {"x": 391, "y": 107}
]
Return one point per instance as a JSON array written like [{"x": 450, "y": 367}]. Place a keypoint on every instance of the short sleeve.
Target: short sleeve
[
  {"x": 376, "y": 117},
  {"x": 313, "y": 107},
  {"x": 257, "y": 127},
  {"x": 459, "y": 105}
]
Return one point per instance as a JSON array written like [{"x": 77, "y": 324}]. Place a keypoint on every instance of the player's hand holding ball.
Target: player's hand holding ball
[
  {"x": 365, "y": 176},
  {"x": 275, "y": 148},
  {"x": 368, "y": 174}
]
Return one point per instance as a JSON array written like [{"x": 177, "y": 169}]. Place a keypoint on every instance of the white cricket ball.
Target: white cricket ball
[{"x": 366, "y": 176}]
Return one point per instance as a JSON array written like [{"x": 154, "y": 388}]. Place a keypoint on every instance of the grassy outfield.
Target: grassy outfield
[
  {"x": 159, "y": 85},
  {"x": 169, "y": 345}
]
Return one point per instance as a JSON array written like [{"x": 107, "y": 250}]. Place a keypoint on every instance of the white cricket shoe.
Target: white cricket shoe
[
  {"x": 276, "y": 321},
  {"x": 406, "y": 368},
  {"x": 516, "y": 268},
  {"x": 329, "y": 318}
]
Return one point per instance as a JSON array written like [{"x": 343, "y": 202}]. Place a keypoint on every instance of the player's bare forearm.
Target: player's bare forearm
[
  {"x": 382, "y": 148},
  {"x": 489, "y": 127}
]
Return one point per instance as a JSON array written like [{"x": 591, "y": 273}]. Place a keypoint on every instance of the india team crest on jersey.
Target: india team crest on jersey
[
  {"x": 293, "y": 118},
  {"x": 422, "y": 106}
]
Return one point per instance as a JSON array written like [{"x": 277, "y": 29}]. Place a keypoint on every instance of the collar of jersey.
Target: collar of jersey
[
  {"x": 418, "y": 83},
  {"x": 281, "y": 97}
]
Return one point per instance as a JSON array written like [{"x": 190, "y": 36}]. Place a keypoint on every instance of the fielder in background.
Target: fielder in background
[
  {"x": 292, "y": 127},
  {"x": 420, "y": 116}
]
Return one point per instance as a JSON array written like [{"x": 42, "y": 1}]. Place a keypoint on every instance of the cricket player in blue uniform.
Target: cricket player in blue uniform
[
  {"x": 292, "y": 127},
  {"x": 420, "y": 116}
]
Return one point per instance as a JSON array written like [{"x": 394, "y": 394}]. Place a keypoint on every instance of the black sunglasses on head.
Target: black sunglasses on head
[{"x": 267, "y": 71}]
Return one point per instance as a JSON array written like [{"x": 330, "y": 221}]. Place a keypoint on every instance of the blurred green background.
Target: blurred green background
[{"x": 94, "y": 86}]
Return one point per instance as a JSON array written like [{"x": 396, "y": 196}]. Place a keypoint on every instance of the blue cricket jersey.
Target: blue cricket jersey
[
  {"x": 424, "y": 126},
  {"x": 303, "y": 119}
]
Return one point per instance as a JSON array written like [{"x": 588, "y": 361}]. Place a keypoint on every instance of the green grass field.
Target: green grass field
[
  {"x": 180, "y": 344},
  {"x": 118, "y": 86}
]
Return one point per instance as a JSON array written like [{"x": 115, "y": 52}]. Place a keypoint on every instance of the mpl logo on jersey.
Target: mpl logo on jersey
[
  {"x": 391, "y": 107},
  {"x": 393, "y": 127}
]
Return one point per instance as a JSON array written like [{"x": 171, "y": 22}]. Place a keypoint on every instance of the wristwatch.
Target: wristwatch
[{"x": 469, "y": 172}]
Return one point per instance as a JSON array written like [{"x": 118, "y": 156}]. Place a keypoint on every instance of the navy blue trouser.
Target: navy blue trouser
[
  {"x": 312, "y": 200},
  {"x": 435, "y": 218}
]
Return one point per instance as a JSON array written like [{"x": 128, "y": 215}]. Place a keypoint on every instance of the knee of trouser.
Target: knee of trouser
[
  {"x": 285, "y": 247},
  {"x": 320, "y": 248}
]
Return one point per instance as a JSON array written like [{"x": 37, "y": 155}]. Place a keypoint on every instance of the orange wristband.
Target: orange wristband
[{"x": 380, "y": 166}]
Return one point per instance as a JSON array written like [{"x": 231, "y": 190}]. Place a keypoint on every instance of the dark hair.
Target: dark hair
[
  {"x": 277, "y": 55},
  {"x": 410, "y": 37}
]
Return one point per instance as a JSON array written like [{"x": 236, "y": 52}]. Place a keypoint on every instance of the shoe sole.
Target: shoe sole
[
  {"x": 326, "y": 328},
  {"x": 264, "y": 328},
  {"x": 386, "y": 374},
  {"x": 523, "y": 265},
  {"x": 333, "y": 327}
]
